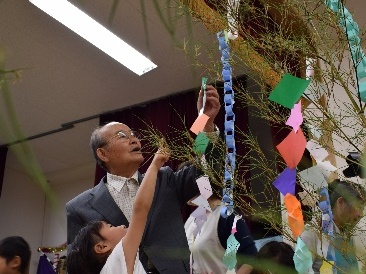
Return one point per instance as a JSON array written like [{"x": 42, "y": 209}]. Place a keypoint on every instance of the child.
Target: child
[
  {"x": 101, "y": 248},
  {"x": 15, "y": 256},
  {"x": 276, "y": 258}
]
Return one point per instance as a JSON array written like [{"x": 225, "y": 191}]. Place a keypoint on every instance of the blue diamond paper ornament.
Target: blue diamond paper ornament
[{"x": 230, "y": 253}]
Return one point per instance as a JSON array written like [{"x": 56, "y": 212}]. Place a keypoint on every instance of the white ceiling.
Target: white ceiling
[{"x": 64, "y": 78}]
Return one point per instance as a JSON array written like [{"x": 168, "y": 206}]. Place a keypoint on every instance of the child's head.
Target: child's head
[
  {"x": 92, "y": 246},
  {"x": 277, "y": 257},
  {"x": 15, "y": 255}
]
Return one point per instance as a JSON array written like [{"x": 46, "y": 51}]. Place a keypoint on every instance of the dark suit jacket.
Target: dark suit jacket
[{"x": 164, "y": 240}]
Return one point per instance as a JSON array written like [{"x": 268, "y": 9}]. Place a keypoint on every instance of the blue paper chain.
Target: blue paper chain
[
  {"x": 227, "y": 192},
  {"x": 352, "y": 30},
  {"x": 327, "y": 221}
]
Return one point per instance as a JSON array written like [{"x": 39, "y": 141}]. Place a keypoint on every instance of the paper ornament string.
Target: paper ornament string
[
  {"x": 232, "y": 246},
  {"x": 287, "y": 93},
  {"x": 352, "y": 30},
  {"x": 229, "y": 127}
]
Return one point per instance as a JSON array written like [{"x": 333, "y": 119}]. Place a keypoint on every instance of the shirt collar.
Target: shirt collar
[{"x": 117, "y": 182}]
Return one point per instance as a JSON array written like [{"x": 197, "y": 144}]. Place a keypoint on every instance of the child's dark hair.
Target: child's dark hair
[
  {"x": 82, "y": 257},
  {"x": 276, "y": 254},
  {"x": 16, "y": 246}
]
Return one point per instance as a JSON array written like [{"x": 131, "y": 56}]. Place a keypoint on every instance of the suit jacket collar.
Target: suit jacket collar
[
  {"x": 140, "y": 177},
  {"x": 103, "y": 202}
]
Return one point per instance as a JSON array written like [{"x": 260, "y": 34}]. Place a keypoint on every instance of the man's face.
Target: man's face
[
  {"x": 351, "y": 213},
  {"x": 121, "y": 148}
]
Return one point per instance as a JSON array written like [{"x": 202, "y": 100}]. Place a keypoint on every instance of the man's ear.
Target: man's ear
[
  {"x": 15, "y": 262},
  {"x": 101, "y": 152},
  {"x": 102, "y": 247},
  {"x": 341, "y": 202}
]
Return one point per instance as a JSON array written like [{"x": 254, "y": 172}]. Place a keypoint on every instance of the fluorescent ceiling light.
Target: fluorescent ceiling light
[{"x": 95, "y": 33}]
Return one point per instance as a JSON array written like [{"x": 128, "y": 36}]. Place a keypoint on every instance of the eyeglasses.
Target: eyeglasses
[{"x": 123, "y": 136}]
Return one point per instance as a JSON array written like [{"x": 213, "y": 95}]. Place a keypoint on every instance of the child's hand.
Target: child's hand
[{"x": 162, "y": 155}]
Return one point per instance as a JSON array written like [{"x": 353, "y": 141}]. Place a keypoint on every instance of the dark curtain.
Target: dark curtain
[
  {"x": 3, "y": 153},
  {"x": 166, "y": 116}
]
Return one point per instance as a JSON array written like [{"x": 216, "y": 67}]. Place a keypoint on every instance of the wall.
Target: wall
[
  {"x": 22, "y": 210},
  {"x": 25, "y": 212}
]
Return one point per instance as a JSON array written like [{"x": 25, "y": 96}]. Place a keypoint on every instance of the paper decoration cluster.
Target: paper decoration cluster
[
  {"x": 351, "y": 29},
  {"x": 288, "y": 93},
  {"x": 232, "y": 247},
  {"x": 229, "y": 126},
  {"x": 313, "y": 179}
]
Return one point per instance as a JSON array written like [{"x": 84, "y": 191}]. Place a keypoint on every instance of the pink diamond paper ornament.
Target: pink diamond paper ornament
[{"x": 292, "y": 148}]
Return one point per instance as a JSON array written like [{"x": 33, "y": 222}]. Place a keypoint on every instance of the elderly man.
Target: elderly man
[
  {"x": 164, "y": 247},
  {"x": 347, "y": 201}
]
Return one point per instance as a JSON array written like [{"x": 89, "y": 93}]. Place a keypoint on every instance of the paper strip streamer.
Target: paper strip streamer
[
  {"x": 313, "y": 178},
  {"x": 295, "y": 120},
  {"x": 289, "y": 90},
  {"x": 230, "y": 253},
  {"x": 316, "y": 150},
  {"x": 295, "y": 218},
  {"x": 292, "y": 148},
  {"x": 200, "y": 218},
  {"x": 202, "y": 202},
  {"x": 236, "y": 219},
  {"x": 303, "y": 258},
  {"x": 203, "y": 86},
  {"x": 200, "y": 213},
  {"x": 285, "y": 183},
  {"x": 326, "y": 168},
  {"x": 200, "y": 143},
  {"x": 204, "y": 186},
  {"x": 199, "y": 124}
]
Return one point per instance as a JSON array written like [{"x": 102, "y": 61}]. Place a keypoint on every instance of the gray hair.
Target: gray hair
[
  {"x": 97, "y": 141},
  {"x": 347, "y": 190}
]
